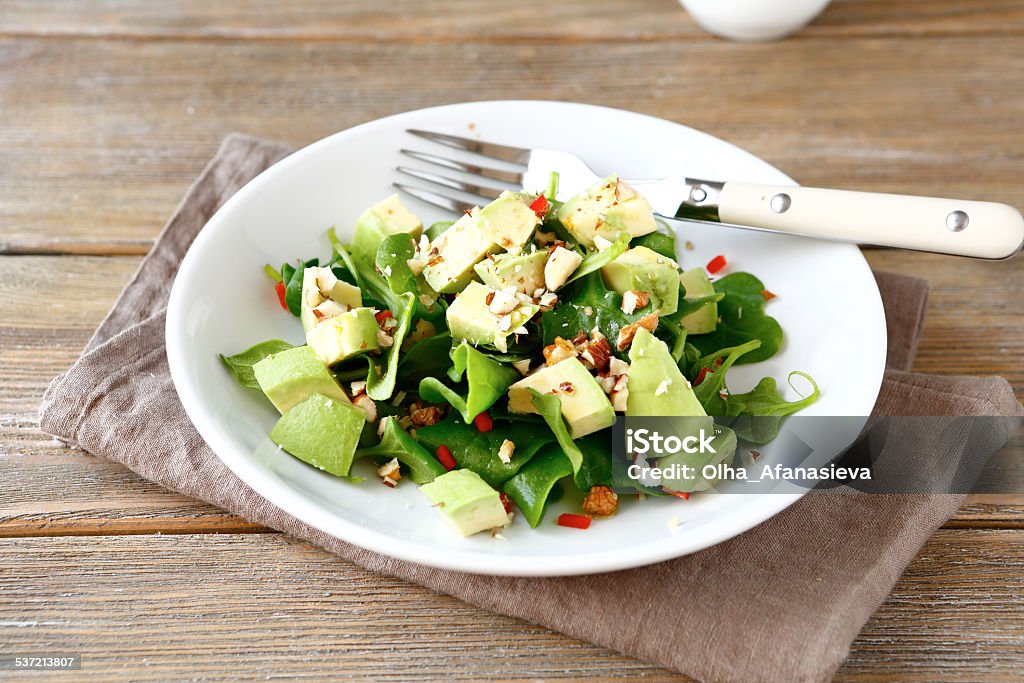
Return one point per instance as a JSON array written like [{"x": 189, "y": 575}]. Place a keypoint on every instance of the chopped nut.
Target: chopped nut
[
  {"x": 601, "y": 243},
  {"x": 560, "y": 265},
  {"x": 662, "y": 388},
  {"x": 435, "y": 259},
  {"x": 489, "y": 297},
  {"x": 649, "y": 322},
  {"x": 559, "y": 351},
  {"x": 548, "y": 299},
  {"x": 368, "y": 406},
  {"x": 621, "y": 382},
  {"x": 503, "y": 301},
  {"x": 633, "y": 300},
  {"x": 607, "y": 383},
  {"x": 389, "y": 472},
  {"x": 580, "y": 337},
  {"x": 618, "y": 398},
  {"x": 600, "y": 352},
  {"x": 384, "y": 340},
  {"x": 544, "y": 238},
  {"x": 566, "y": 387},
  {"x": 329, "y": 309},
  {"x": 397, "y": 399},
  {"x": 539, "y": 292},
  {"x": 425, "y": 417},
  {"x": 358, "y": 388},
  {"x": 602, "y": 501},
  {"x": 325, "y": 281},
  {"x": 689, "y": 245},
  {"x": 415, "y": 265},
  {"x": 617, "y": 366},
  {"x": 506, "y": 451},
  {"x": 504, "y": 323},
  {"x": 523, "y": 366}
]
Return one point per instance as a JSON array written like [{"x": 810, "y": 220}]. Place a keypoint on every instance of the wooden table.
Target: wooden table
[{"x": 110, "y": 108}]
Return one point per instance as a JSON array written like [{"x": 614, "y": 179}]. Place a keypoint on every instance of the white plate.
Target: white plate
[{"x": 828, "y": 305}]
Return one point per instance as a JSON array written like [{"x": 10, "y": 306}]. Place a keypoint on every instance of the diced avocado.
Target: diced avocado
[
  {"x": 466, "y": 501},
  {"x": 697, "y": 284},
  {"x": 656, "y": 386},
  {"x": 454, "y": 253},
  {"x": 724, "y": 446},
  {"x": 585, "y": 406},
  {"x": 320, "y": 285},
  {"x": 337, "y": 338},
  {"x": 384, "y": 218},
  {"x": 290, "y": 376},
  {"x": 509, "y": 220},
  {"x": 322, "y": 432},
  {"x": 607, "y": 209},
  {"x": 645, "y": 270},
  {"x": 525, "y": 272},
  {"x": 470, "y": 318}
]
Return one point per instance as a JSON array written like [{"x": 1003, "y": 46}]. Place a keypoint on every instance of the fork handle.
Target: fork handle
[{"x": 949, "y": 226}]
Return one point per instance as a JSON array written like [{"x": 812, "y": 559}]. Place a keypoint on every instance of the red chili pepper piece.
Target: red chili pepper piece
[
  {"x": 279, "y": 288},
  {"x": 445, "y": 457},
  {"x": 381, "y": 316},
  {"x": 677, "y": 494},
  {"x": 574, "y": 521},
  {"x": 483, "y": 422},
  {"x": 716, "y": 264},
  {"x": 506, "y": 502},
  {"x": 540, "y": 206},
  {"x": 704, "y": 372}
]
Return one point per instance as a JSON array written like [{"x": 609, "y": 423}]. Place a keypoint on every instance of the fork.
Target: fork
[{"x": 985, "y": 230}]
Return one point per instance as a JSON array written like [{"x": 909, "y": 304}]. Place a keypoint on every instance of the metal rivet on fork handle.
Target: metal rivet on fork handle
[
  {"x": 957, "y": 221},
  {"x": 780, "y": 202}
]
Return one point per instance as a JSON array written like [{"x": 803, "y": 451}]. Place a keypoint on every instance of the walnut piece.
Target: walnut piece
[
  {"x": 425, "y": 417},
  {"x": 600, "y": 354},
  {"x": 649, "y": 322},
  {"x": 601, "y": 502},
  {"x": 559, "y": 351}
]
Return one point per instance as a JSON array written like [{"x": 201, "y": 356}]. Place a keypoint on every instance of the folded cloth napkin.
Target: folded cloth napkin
[{"x": 781, "y": 602}]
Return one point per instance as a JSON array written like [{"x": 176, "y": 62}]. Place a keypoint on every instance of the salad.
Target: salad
[{"x": 486, "y": 359}]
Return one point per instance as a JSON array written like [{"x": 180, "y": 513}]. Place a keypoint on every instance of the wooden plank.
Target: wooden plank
[
  {"x": 228, "y": 607},
  {"x": 462, "y": 21},
  {"x": 110, "y": 132}
]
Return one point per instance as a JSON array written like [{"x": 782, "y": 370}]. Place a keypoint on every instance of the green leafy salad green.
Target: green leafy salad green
[{"x": 486, "y": 359}]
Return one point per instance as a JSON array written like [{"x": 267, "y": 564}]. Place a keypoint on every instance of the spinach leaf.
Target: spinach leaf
[
  {"x": 426, "y": 358},
  {"x": 550, "y": 408},
  {"x": 241, "y": 363},
  {"x": 478, "y": 451},
  {"x": 342, "y": 254},
  {"x": 531, "y": 487},
  {"x": 658, "y": 242},
  {"x": 393, "y": 255},
  {"x": 709, "y": 391},
  {"x": 380, "y": 382},
  {"x": 596, "y": 468},
  {"x": 396, "y": 443},
  {"x": 291, "y": 276},
  {"x": 742, "y": 319},
  {"x": 487, "y": 379},
  {"x": 596, "y": 260},
  {"x": 586, "y": 305},
  {"x": 688, "y": 306},
  {"x": 437, "y": 228},
  {"x": 760, "y": 411}
]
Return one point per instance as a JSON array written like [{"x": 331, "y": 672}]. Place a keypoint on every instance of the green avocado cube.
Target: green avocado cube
[
  {"x": 656, "y": 387},
  {"x": 455, "y": 252},
  {"x": 345, "y": 335},
  {"x": 645, "y": 270},
  {"x": 609, "y": 208},
  {"x": 509, "y": 220},
  {"x": 381, "y": 220},
  {"x": 290, "y": 376},
  {"x": 585, "y": 406},
  {"x": 525, "y": 272},
  {"x": 697, "y": 284},
  {"x": 322, "y": 432},
  {"x": 466, "y": 501},
  {"x": 723, "y": 443},
  {"x": 470, "y": 317}
]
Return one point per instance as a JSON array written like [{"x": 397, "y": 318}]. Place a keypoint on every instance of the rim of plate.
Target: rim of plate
[{"x": 757, "y": 508}]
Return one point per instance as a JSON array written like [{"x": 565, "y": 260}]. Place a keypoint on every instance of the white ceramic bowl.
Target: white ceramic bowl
[
  {"x": 753, "y": 20},
  {"x": 221, "y": 301}
]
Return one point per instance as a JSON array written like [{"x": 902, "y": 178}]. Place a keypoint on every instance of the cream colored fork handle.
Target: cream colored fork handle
[{"x": 949, "y": 226}]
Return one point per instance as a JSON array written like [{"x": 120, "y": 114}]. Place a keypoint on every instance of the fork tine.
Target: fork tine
[
  {"x": 437, "y": 179},
  {"x": 515, "y": 155},
  {"x": 448, "y": 203},
  {"x": 511, "y": 177}
]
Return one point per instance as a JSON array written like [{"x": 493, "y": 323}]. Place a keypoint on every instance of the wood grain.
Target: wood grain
[
  {"x": 463, "y": 21},
  {"x": 109, "y": 132},
  {"x": 229, "y": 607}
]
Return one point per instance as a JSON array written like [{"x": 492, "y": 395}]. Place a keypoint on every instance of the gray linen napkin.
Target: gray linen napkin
[{"x": 781, "y": 602}]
